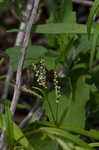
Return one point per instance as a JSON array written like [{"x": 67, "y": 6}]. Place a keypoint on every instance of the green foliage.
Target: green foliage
[
  {"x": 89, "y": 25},
  {"x": 39, "y": 142},
  {"x": 48, "y": 129},
  {"x": 15, "y": 132},
  {"x": 9, "y": 126},
  {"x": 61, "y": 133},
  {"x": 6, "y": 101},
  {"x": 90, "y": 18},
  {"x": 61, "y": 106},
  {"x": 60, "y": 15},
  {"x": 33, "y": 55},
  {"x": 75, "y": 54},
  {"x": 76, "y": 108}
]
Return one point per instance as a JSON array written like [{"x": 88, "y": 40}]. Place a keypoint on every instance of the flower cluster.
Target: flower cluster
[
  {"x": 57, "y": 88},
  {"x": 41, "y": 73}
]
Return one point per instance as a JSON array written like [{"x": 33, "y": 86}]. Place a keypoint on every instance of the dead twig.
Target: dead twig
[
  {"x": 21, "y": 59},
  {"x": 20, "y": 35},
  {"x": 30, "y": 114}
]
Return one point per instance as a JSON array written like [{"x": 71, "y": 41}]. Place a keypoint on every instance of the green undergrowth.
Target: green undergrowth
[{"x": 72, "y": 59}]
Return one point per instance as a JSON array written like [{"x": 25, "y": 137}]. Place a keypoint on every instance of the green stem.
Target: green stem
[
  {"x": 51, "y": 110},
  {"x": 46, "y": 97},
  {"x": 57, "y": 114}
]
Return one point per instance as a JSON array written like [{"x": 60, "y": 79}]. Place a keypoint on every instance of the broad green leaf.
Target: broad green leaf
[
  {"x": 52, "y": 60},
  {"x": 61, "y": 106},
  {"x": 33, "y": 55},
  {"x": 59, "y": 28},
  {"x": 65, "y": 134},
  {"x": 76, "y": 108},
  {"x": 84, "y": 45},
  {"x": 79, "y": 100},
  {"x": 42, "y": 142}
]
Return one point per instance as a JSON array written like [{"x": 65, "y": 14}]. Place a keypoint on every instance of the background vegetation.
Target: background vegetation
[{"x": 57, "y": 105}]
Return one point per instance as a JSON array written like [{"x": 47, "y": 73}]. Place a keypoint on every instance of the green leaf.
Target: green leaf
[
  {"x": 59, "y": 28},
  {"x": 65, "y": 134},
  {"x": 33, "y": 55},
  {"x": 84, "y": 44},
  {"x": 75, "y": 129},
  {"x": 2, "y": 121},
  {"x": 5, "y": 101},
  {"x": 71, "y": 128},
  {"x": 92, "y": 53},
  {"x": 41, "y": 142},
  {"x": 76, "y": 108},
  {"x": 79, "y": 66},
  {"x": 90, "y": 18},
  {"x": 15, "y": 30},
  {"x": 61, "y": 106},
  {"x": 9, "y": 126},
  {"x": 52, "y": 60},
  {"x": 94, "y": 144},
  {"x": 63, "y": 144},
  {"x": 17, "y": 134},
  {"x": 69, "y": 15},
  {"x": 76, "y": 113},
  {"x": 94, "y": 42}
]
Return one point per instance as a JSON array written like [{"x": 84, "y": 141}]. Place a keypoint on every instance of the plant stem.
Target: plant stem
[
  {"x": 51, "y": 110},
  {"x": 57, "y": 113}
]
